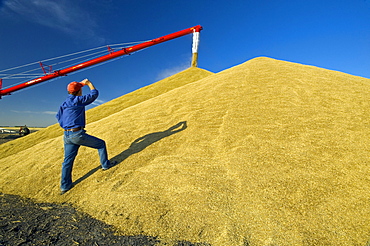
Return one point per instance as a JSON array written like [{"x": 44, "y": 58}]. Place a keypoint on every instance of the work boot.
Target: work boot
[{"x": 111, "y": 164}]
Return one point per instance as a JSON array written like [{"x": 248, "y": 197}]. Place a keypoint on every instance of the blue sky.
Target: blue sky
[{"x": 332, "y": 34}]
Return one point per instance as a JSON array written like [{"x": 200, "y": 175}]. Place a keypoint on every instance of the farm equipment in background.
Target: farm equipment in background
[
  {"x": 23, "y": 131},
  {"x": 7, "y": 131}
]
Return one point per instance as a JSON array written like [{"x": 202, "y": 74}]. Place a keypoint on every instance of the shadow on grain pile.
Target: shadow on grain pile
[{"x": 139, "y": 145}]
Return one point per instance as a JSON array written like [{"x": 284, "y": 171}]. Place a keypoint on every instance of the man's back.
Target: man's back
[{"x": 71, "y": 113}]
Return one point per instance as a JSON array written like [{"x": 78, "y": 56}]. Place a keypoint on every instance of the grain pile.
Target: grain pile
[{"x": 264, "y": 153}]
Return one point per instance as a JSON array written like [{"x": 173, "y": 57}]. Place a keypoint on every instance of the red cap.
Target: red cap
[{"x": 74, "y": 86}]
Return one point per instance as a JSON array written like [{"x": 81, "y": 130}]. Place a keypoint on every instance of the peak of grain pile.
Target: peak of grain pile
[{"x": 264, "y": 153}]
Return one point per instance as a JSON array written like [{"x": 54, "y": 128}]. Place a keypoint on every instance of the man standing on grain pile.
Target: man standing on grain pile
[{"x": 71, "y": 117}]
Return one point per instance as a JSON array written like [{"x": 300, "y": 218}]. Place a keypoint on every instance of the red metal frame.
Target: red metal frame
[
  {"x": 50, "y": 68},
  {"x": 111, "y": 55}
]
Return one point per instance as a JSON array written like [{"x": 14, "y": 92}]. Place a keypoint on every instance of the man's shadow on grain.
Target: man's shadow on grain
[
  {"x": 139, "y": 145},
  {"x": 143, "y": 142}
]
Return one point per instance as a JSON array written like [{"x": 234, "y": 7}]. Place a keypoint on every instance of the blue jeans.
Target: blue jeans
[{"x": 72, "y": 142}]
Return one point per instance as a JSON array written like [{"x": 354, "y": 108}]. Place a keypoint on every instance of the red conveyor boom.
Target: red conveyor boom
[{"x": 104, "y": 58}]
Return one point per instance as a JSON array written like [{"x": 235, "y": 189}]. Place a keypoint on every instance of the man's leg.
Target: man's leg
[
  {"x": 96, "y": 143},
  {"x": 70, "y": 153}
]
